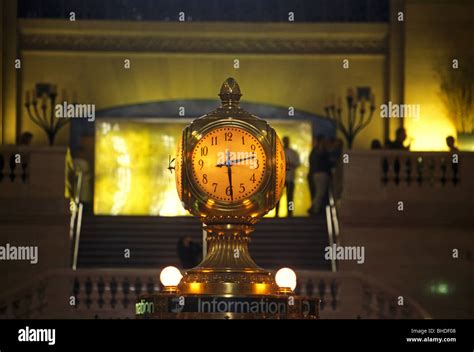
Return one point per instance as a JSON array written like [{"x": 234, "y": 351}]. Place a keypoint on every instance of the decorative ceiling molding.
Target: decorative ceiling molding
[{"x": 340, "y": 44}]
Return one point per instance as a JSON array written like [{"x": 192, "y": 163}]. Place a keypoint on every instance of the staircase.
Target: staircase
[
  {"x": 152, "y": 241},
  {"x": 297, "y": 243}
]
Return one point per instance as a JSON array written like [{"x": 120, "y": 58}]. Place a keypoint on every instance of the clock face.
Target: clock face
[{"x": 228, "y": 164}]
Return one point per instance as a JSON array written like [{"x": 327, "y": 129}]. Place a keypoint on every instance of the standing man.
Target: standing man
[
  {"x": 320, "y": 169},
  {"x": 400, "y": 136},
  {"x": 292, "y": 163}
]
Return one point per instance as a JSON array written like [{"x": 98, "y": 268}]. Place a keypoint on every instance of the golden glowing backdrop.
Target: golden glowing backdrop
[{"x": 131, "y": 160}]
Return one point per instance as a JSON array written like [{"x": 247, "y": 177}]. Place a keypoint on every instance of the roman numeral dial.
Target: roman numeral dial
[{"x": 228, "y": 164}]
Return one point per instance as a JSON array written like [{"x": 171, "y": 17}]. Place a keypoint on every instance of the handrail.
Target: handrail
[
  {"x": 332, "y": 223},
  {"x": 332, "y": 205},
  {"x": 331, "y": 237},
  {"x": 76, "y": 208}
]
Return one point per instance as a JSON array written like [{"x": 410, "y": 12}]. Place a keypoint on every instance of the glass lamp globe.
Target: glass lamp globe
[
  {"x": 286, "y": 278},
  {"x": 170, "y": 276}
]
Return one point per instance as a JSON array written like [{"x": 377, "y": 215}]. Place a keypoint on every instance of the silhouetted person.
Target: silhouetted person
[
  {"x": 375, "y": 145},
  {"x": 189, "y": 252},
  {"x": 400, "y": 136},
  {"x": 25, "y": 138},
  {"x": 320, "y": 168},
  {"x": 292, "y": 163},
  {"x": 450, "y": 141},
  {"x": 312, "y": 188}
]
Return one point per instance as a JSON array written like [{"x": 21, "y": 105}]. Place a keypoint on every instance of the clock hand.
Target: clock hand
[
  {"x": 229, "y": 174},
  {"x": 232, "y": 162},
  {"x": 242, "y": 159}
]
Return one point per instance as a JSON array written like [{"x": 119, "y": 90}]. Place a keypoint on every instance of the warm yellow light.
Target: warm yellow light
[
  {"x": 429, "y": 134},
  {"x": 131, "y": 161},
  {"x": 428, "y": 131},
  {"x": 286, "y": 278},
  {"x": 195, "y": 287},
  {"x": 170, "y": 276},
  {"x": 260, "y": 288},
  {"x": 300, "y": 134},
  {"x": 131, "y": 166}
]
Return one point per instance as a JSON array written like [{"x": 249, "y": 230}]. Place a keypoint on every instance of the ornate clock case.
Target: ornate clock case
[
  {"x": 229, "y": 192},
  {"x": 228, "y": 267}
]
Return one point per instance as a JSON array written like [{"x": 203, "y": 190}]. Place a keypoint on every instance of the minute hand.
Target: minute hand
[{"x": 232, "y": 162}]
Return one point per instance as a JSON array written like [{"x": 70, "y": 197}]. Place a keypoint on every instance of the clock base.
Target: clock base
[
  {"x": 227, "y": 284},
  {"x": 220, "y": 281},
  {"x": 228, "y": 268}
]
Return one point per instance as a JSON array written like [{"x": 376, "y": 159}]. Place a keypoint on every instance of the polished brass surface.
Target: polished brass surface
[
  {"x": 228, "y": 267},
  {"x": 228, "y": 274},
  {"x": 230, "y": 114}
]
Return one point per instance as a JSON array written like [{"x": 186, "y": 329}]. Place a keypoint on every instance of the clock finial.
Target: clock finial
[{"x": 230, "y": 92}]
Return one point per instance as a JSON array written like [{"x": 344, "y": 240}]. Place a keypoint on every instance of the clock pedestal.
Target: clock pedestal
[
  {"x": 229, "y": 197},
  {"x": 228, "y": 268}
]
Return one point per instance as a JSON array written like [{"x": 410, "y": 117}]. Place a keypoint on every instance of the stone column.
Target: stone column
[
  {"x": 9, "y": 44},
  {"x": 395, "y": 63}
]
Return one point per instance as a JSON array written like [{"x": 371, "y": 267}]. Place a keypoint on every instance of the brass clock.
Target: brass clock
[
  {"x": 230, "y": 164},
  {"x": 230, "y": 171}
]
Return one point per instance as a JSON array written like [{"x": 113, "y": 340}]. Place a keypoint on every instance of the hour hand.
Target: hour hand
[{"x": 229, "y": 174}]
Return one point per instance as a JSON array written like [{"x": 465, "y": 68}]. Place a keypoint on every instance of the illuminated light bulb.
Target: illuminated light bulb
[
  {"x": 285, "y": 279},
  {"x": 170, "y": 276}
]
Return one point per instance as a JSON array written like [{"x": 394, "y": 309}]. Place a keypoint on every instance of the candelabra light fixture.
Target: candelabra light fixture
[
  {"x": 360, "y": 111},
  {"x": 40, "y": 104}
]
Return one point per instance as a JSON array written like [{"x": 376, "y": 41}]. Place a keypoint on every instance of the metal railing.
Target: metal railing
[
  {"x": 74, "y": 186},
  {"x": 332, "y": 223}
]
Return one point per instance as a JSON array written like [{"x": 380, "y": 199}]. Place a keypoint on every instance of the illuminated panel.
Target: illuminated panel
[
  {"x": 300, "y": 134},
  {"x": 429, "y": 132},
  {"x": 131, "y": 160}
]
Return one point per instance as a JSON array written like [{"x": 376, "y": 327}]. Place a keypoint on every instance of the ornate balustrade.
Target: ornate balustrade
[
  {"x": 14, "y": 164},
  {"x": 33, "y": 172},
  {"x": 112, "y": 293},
  {"x": 433, "y": 186},
  {"x": 421, "y": 169}
]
